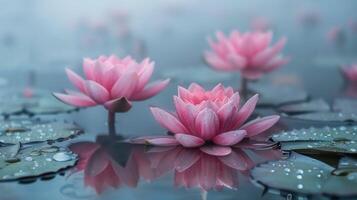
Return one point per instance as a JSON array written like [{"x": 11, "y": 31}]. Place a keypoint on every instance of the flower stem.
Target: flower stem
[
  {"x": 111, "y": 123},
  {"x": 244, "y": 88}
]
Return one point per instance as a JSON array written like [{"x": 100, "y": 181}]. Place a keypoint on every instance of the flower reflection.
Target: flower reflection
[{"x": 191, "y": 167}]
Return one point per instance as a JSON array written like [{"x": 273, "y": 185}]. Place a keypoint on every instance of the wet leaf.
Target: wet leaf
[
  {"x": 33, "y": 161},
  {"x": 30, "y": 130},
  {"x": 348, "y": 106},
  {"x": 274, "y": 95},
  {"x": 316, "y": 105},
  {"x": 303, "y": 174},
  {"x": 341, "y": 139},
  {"x": 327, "y": 116},
  {"x": 39, "y": 102}
]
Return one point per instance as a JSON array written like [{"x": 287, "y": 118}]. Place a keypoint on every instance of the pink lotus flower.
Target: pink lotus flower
[
  {"x": 110, "y": 80},
  {"x": 208, "y": 117},
  {"x": 248, "y": 53}
]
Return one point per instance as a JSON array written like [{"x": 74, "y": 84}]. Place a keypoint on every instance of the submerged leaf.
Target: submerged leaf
[
  {"x": 341, "y": 139},
  {"x": 273, "y": 95},
  {"x": 29, "y": 130},
  {"x": 35, "y": 161},
  {"x": 317, "y": 105},
  {"x": 328, "y": 116}
]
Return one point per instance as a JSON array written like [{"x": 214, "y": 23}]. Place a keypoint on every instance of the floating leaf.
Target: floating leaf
[
  {"x": 273, "y": 95},
  {"x": 348, "y": 106},
  {"x": 317, "y": 105},
  {"x": 303, "y": 174},
  {"x": 39, "y": 102},
  {"x": 35, "y": 161},
  {"x": 30, "y": 130},
  {"x": 341, "y": 139},
  {"x": 328, "y": 116}
]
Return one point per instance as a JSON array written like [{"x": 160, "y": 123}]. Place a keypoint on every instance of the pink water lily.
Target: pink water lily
[
  {"x": 113, "y": 83},
  {"x": 211, "y": 120},
  {"x": 250, "y": 53},
  {"x": 350, "y": 73}
]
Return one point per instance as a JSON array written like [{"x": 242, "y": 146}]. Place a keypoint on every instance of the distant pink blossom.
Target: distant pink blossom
[
  {"x": 350, "y": 73},
  {"x": 250, "y": 53},
  {"x": 211, "y": 120},
  {"x": 336, "y": 35},
  {"x": 112, "y": 82}
]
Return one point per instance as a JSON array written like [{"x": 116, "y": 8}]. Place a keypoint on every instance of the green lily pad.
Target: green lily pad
[
  {"x": 30, "y": 130},
  {"x": 14, "y": 102},
  {"x": 316, "y": 105},
  {"x": 35, "y": 161},
  {"x": 302, "y": 174},
  {"x": 341, "y": 139},
  {"x": 328, "y": 117},
  {"x": 274, "y": 95},
  {"x": 345, "y": 105}
]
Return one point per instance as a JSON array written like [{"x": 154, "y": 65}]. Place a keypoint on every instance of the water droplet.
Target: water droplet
[
  {"x": 28, "y": 158},
  {"x": 318, "y": 175},
  {"x": 35, "y": 153},
  {"x": 353, "y": 150},
  {"x": 272, "y": 171},
  {"x": 300, "y": 186},
  {"x": 51, "y": 149},
  {"x": 287, "y": 169},
  {"x": 299, "y": 176},
  {"x": 300, "y": 171},
  {"x": 62, "y": 157}
]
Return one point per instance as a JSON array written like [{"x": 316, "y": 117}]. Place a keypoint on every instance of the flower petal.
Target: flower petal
[
  {"x": 97, "y": 92},
  {"x": 229, "y": 138},
  {"x": 189, "y": 140},
  {"x": 150, "y": 90},
  {"x": 76, "y": 80},
  {"x": 245, "y": 112},
  {"x": 163, "y": 141},
  {"x": 186, "y": 158},
  {"x": 168, "y": 121},
  {"x": 125, "y": 85},
  {"x": 185, "y": 113},
  {"x": 215, "y": 150},
  {"x": 260, "y": 125},
  {"x": 78, "y": 101},
  {"x": 264, "y": 56},
  {"x": 237, "y": 160},
  {"x": 207, "y": 123}
]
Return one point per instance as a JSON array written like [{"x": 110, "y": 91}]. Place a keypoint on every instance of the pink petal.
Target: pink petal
[
  {"x": 183, "y": 93},
  {"x": 78, "y": 101},
  {"x": 217, "y": 63},
  {"x": 226, "y": 112},
  {"x": 168, "y": 121},
  {"x": 208, "y": 173},
  {"x": 215, "y": 150},
  {"x": 245, "y": 112},
  {"x": 185, "y": 113},
  {"x": 88, "y": 65},
  {"x": 97, "y": 163},
  {"x": 207, "y": 123},
  {"x": 125, "y": 85},
  {"x": 264, "y": 56},
  {"x": 237, "y": 160},
  {"x": 260, "y": 125},
  {"x": 151, "y": 90},
  {"x": 189, "y": 140},
  {"x": 97, "y": 92},
  {"x": 76, "y": 80},
  {"x": 145, "y": 75},
  {"x": 186, "y": 158},
  {"x": 163, "y": 141},
  {"x": 194, "y": 87},
  {"x": 118, "y": 105},
  {"x": 229, "y": 138},
  {"x": 237, "y": 61}
]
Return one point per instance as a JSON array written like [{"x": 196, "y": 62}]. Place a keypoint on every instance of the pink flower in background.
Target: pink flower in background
[
  {"x": 250, "y": 53},
  {"x": 112, "y": 82},
  {"x": 350, "y": 73},
  {"x": 211, "y": 120},
  {"x": 336, "y": 35}
]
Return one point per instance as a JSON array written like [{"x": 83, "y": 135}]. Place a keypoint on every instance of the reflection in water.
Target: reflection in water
[{"x": 192, "y": 168}]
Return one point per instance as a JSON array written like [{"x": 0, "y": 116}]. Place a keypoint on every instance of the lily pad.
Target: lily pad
[
  {"x": 348, "y": 106},
  {"x": 37, "y": 102},
  {"x": 328, "y": 117},
  {"x": 31, "y": 130},
  {"x": 316, "y": 105},
  {"x": 302, "y": 174},
  {"x": 36, "y": 161},
  {"x": 274, "y": 95},
  {"x": 341, "y": 139}
]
